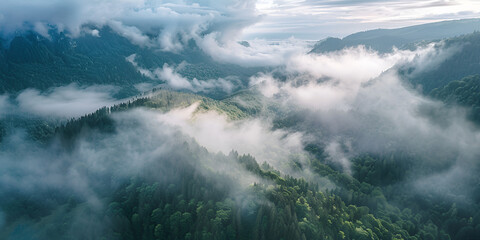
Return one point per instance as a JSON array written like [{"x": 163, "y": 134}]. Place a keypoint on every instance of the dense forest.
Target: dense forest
[
  {"x": 464, "y": 92},
  {"x": 33, "y": 61},
  {"x": 179, "y": 195},
  {"x": 155, "y": 120},
  {"x": 464, "y": 61}
]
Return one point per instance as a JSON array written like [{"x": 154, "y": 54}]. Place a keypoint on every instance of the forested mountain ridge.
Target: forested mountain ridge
[
  {"x": 383, "y": 40},
  {"x": 30, "y": 60},
  {"x": 191, "y": 200},
  {"x": 464, "y": 61},
  {"x": 459, "y": 57},
  {"x": 192, "y": 206},
  {"x": 464, "y": 92},
  {"x": 159, "y": 120},
  {"x": 44, "y": 130},
  {"x": 160, "y": 100}
]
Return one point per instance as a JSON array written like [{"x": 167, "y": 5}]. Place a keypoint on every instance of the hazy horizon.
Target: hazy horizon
[{"x": 315, "y": 20}]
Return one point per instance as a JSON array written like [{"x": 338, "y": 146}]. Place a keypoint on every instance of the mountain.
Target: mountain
[
  {"x": 33, "y": 61},
  {"x": 463, "y": 59},
  {"x": 383, "y": 40},
  {"x": 315, "y": 148},
  {"x": 183, "y": 192},
  {"x": 464, "y": 92}
]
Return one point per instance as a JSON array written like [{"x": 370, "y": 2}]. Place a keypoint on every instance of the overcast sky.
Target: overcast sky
[
  {"x": 170, "y": 20},
  {"x": 316, "y": 19}
]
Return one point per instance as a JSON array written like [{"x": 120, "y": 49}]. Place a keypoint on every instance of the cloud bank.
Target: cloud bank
[
  {"x": 143, "y": 138},
  {"x": 166, "y": 24},
  {"x": 341, "y": 18},
  {"x": 147, "y": 144},
  {"x": 353, "y": 102},
  {"x": 250, "y": 136},
  {"x": 171, "y": 76},
  {"x": 64, "y": 102}
]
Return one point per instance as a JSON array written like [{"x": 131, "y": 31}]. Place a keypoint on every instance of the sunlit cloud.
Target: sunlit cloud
[{"x": 318, "y": 19}]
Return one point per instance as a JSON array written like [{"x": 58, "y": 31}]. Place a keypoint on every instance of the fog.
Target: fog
[
  {"x": 351, "y": 102},
  {"x": 348, "y": 103},
  {"x": 166, "y": 25},
  {"x": 146, "y": 144},
  {"x": 358, "y": 103},
  {"x": 58, "y": 103},
  {"x": 142, "y": 137},
  {"x": 257, "y": 53},
  {"x": 65, "y": 102},
  {"x": 173, "y": 79},
  {"x": 251, "y": 136}
]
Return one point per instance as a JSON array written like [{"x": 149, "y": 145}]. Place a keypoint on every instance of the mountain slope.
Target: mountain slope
[
  {"x": 32, "y": 61},
  {"x": 183, "y": 193},
  {"x": 383, "y": 40},
  {"x": 186, "y": 192},
  {"x": 464, "y": 61},
  {"x": 464, "y": 92}
]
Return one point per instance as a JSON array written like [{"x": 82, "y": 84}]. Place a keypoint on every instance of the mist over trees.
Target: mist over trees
[{"x": 151, "y": 120}]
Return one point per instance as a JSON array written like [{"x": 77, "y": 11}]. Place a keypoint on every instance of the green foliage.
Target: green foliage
[
  {"x": 287, "y": 209},
  {"x": 464, "y": 92},
  {"x": 162, "y": 100},
  {"x": 194, "y": 202},
  {"x": 465, "y": 61},
  {"x": 32, "y": 61}
]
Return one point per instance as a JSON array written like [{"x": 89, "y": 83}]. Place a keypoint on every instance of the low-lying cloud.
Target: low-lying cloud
[
  {"x": 249, "y": 136},
  {"x": 143, "y": 138},
  {"x": 68, "y": 101},
  {"x": 167, "y": 25},
  {"x": 257, "y": 53},
  {"x": 171, "y": 25},
  {"x": 354, "y": 98},
  {"x": 146, "y": 144},
  {"x": 171, "y": 76}
]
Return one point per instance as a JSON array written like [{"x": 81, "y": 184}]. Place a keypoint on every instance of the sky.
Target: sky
[
  {"x": 317, "y": 19},
  {"x": 223, "y": 21}
]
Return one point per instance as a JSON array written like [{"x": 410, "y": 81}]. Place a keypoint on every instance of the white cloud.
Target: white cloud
[
  {"x": 176, "y": 81},
  {"x": 99, "y": 164},
  {"x": 143, "y": 71},
  {"x": 93, "y": 32},
  {"x": 259, "y": 53},
  {"x": 166, "y": 24},
  {"x": 170, "y": 24},
  {"x": 355, "y": 98},
  {"x": 157, "y": 141},
  {"x": 333, "y": 80},
  {"x": 251, "y": 136},
  {"x": 65, "y": 102},
  {"x": 173, "y": 79},
  {"x": 316, "y": 20}
]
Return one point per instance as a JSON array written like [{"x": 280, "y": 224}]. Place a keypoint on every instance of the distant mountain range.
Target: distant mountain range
[{"x": 383, "y": 40}]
